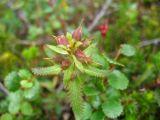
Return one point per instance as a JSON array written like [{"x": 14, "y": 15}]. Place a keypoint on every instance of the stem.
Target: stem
[{"x": 116, "y": 57}]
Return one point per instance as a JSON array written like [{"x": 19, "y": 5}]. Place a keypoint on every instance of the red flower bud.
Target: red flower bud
[
  {"x": 65, "y": 64},
  {"x": 103, "y": 29},
  {"x": 58, "y": 59},
  {"x": 77, "y": 34},
  {"x": 81, "y": 56},
  {"x": 62, "y": 40}
]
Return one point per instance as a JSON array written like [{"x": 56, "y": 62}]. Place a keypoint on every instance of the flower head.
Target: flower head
[
  {"x": 77, "y": 34},
  {"x": 61, "y": 40},
  {"x": 103, "y": 29},
  {"x": 81, "y": 56}
]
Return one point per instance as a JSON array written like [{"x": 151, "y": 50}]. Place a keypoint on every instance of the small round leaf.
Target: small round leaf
[
  {"x": 87, "y": 111},
  {"x": 26, "y": 108},
  {"x": 90, "y": 91},
  {"x": 127, "y": 50},
  {"x": 117, "y": 80},
  {"x": 12, "y": 81},
  {"x": 98, "y": 115},
  {"x": 112, "y": 108},
  {"x": 6, "y": 116}
]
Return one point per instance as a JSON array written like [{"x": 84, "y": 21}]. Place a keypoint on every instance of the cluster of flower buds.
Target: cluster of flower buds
[
  {"x": 61, "y": 40},
  {"x": 65, "y": 63},
  {"x": 103, "y": 29},
  {"x": 74, "y": 45}
]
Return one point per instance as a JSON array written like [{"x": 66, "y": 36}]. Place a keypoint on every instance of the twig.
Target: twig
[
  {"x": 149, "y": 42},
  {"x": 3, "y": 89},
  {"x": 100, "y": 15},
  {"x": 116, "y": 57},
  {"x": 28, "y": 43}
]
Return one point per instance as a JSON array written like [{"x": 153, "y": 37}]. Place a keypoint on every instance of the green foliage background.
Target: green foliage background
[{"x": 26, "y": 25}]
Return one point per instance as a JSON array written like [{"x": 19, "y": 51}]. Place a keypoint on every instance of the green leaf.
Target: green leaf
[
  {"x": 127, "y": 50},
  {"x": 69, "y": 38},
  {"x": 98, "y": 115},
  {"x": 87, "y": 111},
  {"x": 52, "y": 70},
  {"x": 30, "y": 53},
  {"x": 112, "y": 93},
  {"x": 100, "y": 59},
  {"x": 113, "y": 61},
  {"x": 93, "y": 71},
  {"x": 75, "y": 97},
  {"x": 78, "y": 64},
  {"x": 26, "y": 108},
  {"x": 14, "y": 102},
  {"x": 26, "y": 84},
  {"x": 112, "y": 108},
  {"x": 90, "y": 91},
  {"x": 100, "y": 85},
  {"x": 57, "y": 49},
  {"x": 6, "y": 116},
  {"x": 25, "y": 74},
  {"x": 12, "y": 81},
  {"x": 50, "y": 53},
  {"x": 90, "y": 50},
  {"x": 32, "y": 93},
  {"x": 117, "y": 80},
  {"x": 95, "y": 101}
]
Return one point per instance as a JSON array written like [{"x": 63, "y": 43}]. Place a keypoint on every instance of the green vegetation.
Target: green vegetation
[{"x": 79, "y": 60}]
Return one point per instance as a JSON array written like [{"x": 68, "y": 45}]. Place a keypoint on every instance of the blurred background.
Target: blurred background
[{"x": 26, "y": 25}]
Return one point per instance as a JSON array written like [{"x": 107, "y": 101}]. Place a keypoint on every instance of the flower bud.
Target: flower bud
[
  {"x": 65, "y": 64},
  {"x": 62, "y": 40},
  {"x": 103, "y": 29},
  {"x": 58, "y": 59},
  {"x": 82, "y": 57},
  {"x": 77, "y": 34}
]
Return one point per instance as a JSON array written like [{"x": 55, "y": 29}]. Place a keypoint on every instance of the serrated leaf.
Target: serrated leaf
[
  {"x": 12, "y": 81},
  {"x": 95, "y": 101},
  {"x": 57, "y": 49},
  {"x": 112, "y": 108},
  {"x": 52, "y": 70},
  {"x": 113, "y": 61},
  {"x": 90, "y": 91},
  {"x": 6, "y": 116},
  {"x": 87, "y": 111},
  {"x": 78, "y": 63},
  {"x": 113, "y": 93},
  {"x": 98, "y": 115},
  {"x": 90, "y": 49},
  {"x": 93, "y": 71},
  {"x": 26, "y": 108},
  {"x": 75, "y": 97},
  {"x": 127, "y": 50},
  {"x": 98, "y": 58},
  {"x": 118, "y": 80},
  {"x": 32, "y": 93},
  {"x": 14, "y": 102},
  {"x": 50, "y": 53}
]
